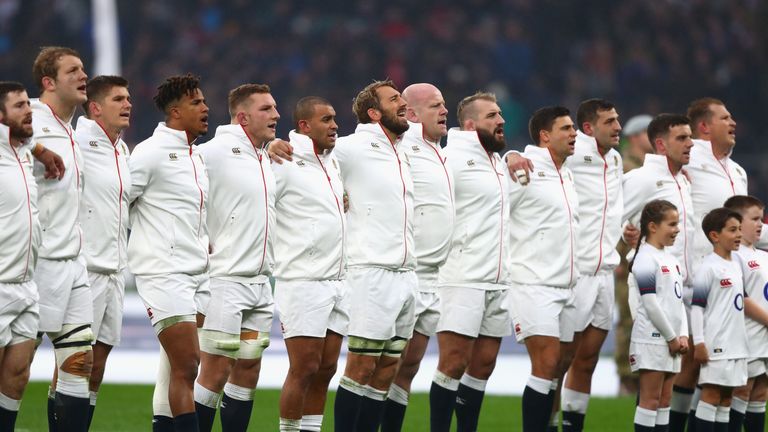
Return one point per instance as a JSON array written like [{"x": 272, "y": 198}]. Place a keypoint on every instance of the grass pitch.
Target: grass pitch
[{"x": 129, "y": 408}]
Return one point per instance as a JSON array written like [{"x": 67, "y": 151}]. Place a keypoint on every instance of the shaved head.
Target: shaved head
[
  {"x": 417, "y": 94},
  {"x": 427, "y": 106}
]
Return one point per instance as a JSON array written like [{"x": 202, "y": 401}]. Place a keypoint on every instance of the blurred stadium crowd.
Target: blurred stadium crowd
[{"x": 645, "y": 56}]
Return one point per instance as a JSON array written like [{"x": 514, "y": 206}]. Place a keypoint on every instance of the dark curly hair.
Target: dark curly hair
[{"x": 174, "y": 88}]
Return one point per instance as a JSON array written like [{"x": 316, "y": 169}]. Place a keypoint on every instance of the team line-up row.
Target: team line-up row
[{"x": 383, "y": 236}]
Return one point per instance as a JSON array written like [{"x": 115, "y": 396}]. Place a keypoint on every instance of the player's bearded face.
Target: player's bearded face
[
  {"x": 18, "y": 115},
  {"x": 492, "y": 140},
  {"x": 394, "y": 120},
  {"x": 392, "y": 107}
]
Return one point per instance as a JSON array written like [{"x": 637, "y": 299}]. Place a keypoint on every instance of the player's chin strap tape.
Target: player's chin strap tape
[
  {"x": 85, "y": 341},
  {"x": 395, "y": 346}
]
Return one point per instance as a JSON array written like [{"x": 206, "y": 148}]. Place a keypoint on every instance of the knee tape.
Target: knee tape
[
  {"x": 219, "y": 343},
  {"x": 395, "y": 347},
  {"x": 252, "y": 345},
  {"x": 363, "y": 346},
  {"x": 71, "y": 346}
]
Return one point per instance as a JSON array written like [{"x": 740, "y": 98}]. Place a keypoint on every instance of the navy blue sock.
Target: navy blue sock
[
  {"x": 537, "y": 407},
  {"x": 71, "y": 413},
  {"x": 162, "y": 423},
  {"x": 468, "y": 404},
  {"x": 7, "y": 419},
  {"x": 754, "y": 421},
  {"x": 51, "y": 414},
  {"x": 235, "y": 414},
  {"x": 442, "y": 402},
  {"x": 205, "y": 416},
  {"x": 735, "y": 421},
  {"x": 394, "y": 415},
  {"x": 573, "y": 421},
  {"x": 346, "y": 409},
  {"x": 369, "y": 418},
  {"x": 186, "y": 423}
]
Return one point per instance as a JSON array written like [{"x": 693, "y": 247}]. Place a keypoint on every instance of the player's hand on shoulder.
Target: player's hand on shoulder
[
  {"x": 519, "y": 167},
  {"x": 280, "y": 150}
]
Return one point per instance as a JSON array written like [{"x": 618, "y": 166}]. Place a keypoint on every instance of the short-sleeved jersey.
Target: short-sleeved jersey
[
  {"x": 658, "y": 272},
  {"x": 754, "y": 266},
  {"x": 719, "y": 290}
]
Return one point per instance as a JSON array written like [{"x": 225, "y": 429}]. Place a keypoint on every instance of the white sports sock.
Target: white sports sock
[
  {"x": 93, "y": 396},
  {"x": 206, "y": 397},
  {"x": 681, "y": 402},
  {"x": 375, "y": 394},
  {"x": 290, "y": 425},
  {"x": 723, "y": 414},
  {"x": 473, "y": 383},
  {"x": 706, "y": 412},
  {"x": 662, "y": 416},
  {"x": 398, "y": 394},
  {"x": 540, "y": 385},
  {"x": 9, "y": 404},
  {"x": 312, "y": 423},
  {"x": 238, "y": 393},
  {"x": 445, "y": 381},
  {"x": 645, "y": 417},
  {"x": 351, "y": 385},
  {"x": 574, "y": 401},
  {"x": 756, "y": 407},
  {"x": 739, "y": 405}
]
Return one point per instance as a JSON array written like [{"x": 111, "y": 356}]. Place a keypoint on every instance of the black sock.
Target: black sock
[
  {"x": 186, "y": 423},
  {"x": 468, "y": 404},
  {"x": 678, "y": 419},
  {"x": 7, "y": 419},
  {"x": 51, "y": 414},
  {"x": 346, "y": 408},
  {"x": 394, "y": 414},
  {"x": 161, "y": 423},
  {"x": 442, "y": 402},
  {"x": 235, "y": 414},
  {"x": 735, "y": 421},
  {"x": 721, "y": 427},
  {"x": 693, "y": 425},
  {"x": 370, "y": 415},
  {"x": 702, "y": 425},
  {"x": 91, "y": 410},
  {"x": 205, "y": 417},
  {"x": 537, "y": 407},
  {"x": 71, "y": 413},
  {"x": 552, "y": 428},
  {"x": 641, "y": 428},
  {"x": 661, "y": 428},
  {"x": 573, "y": 421},
  {"x": 754, "y": 421}
]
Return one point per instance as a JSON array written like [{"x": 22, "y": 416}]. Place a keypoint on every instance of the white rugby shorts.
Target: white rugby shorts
[
  {"x": 474, "y": 312},
  {"x": 108, "y": 291},
  {"x": 65, "y": 294},
  {"x": 382, "y": 303},
  {"x": 311, "y": 308},
  {"x": 593, "y": 301},
  {"x": 173, "y": 295},
  {"x": 652, "y": 357},
  {"x": 757, "y": 367},
  {"x": 237, "y": 306},
  {"x": 728, "y": 373},
  {"x": 538, "y": 310},
  {"x": 19, "y": 312}
]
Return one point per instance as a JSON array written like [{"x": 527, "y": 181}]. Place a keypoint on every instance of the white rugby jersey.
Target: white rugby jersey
[
  {"x": 652, "y": 181},
  {"x": 658, "y": 272},
  {"x": 718, "y": 289},
  {"x": 104, "y": 207},
  {"x": 169, "y": 189},
  {"x": 433, "y": 205},
  {"x": 597, "y": 179},
  {"x": 544, "y": 224},
  {"x": 479, "y": 252},
  {"x": 754, "y": 267},
  {"x": 21, "y": 233},
  {"x": 712, "y": 182},
  {"x": 240, "y": 206},
  {"x": 309, "y": 237},
  {"x": 58, "y": 200},
  {"x": 377, "y": 178}
]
